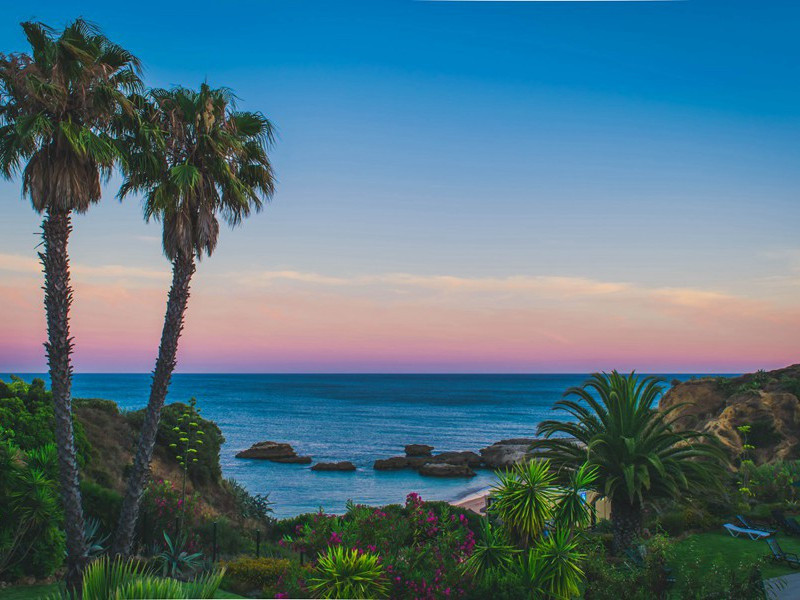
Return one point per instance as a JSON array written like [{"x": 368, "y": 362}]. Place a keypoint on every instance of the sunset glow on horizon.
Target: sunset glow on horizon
[{"x": 487, "y": 187}]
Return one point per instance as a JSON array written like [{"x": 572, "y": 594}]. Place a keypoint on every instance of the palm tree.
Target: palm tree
[
  {"x": 638, "y": 455},
  {"x": 198, "y": 160},
  {"x": 57, "y": 104}
]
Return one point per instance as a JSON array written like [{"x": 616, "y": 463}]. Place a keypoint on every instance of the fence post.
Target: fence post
[
  {"x": 214, "y": 544},
  {"x": 258, "y": 543}
]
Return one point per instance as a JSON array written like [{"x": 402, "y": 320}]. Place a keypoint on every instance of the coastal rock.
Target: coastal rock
[
  {"x": 469, "y": 459},
  {"x": 418, "y": 450},
  {"x": 766, "y": 401},
  {"x": 506, "y": 453},
  {"x": 274, "y": 451},
  {"x": 344, "y": 465},
  {"x": 446, "y": 470},
  {"x": 391, "y": 464}
]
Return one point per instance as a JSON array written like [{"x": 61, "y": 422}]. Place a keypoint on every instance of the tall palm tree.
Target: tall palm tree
[
  {"x": 638, "y": 455},
  {"x": 199, "y": 160},
  {"x": 57, "y": 105}
]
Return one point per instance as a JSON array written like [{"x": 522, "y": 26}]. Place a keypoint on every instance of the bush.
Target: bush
[
  {"x": 26, "y": 417},
  {"x": 421, "y": 545},
  {"x": 206, "y": 469},
  {"x": 102, "y": 504},
  {"x": 250, "y": 506},
  {"x": 31, "y": 540},
  {"x": 247, "y": 574}
]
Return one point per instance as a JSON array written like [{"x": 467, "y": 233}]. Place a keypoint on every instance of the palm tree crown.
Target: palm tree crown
[
  {"x": 57, "y": 106},
  {"x": 637, "y": 453},
  {"x": 200, "y": 159}
]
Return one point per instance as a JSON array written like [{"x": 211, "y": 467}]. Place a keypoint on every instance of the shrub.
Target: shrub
[
  {"x": 26, "y": 417},
  {"x": 206, "y": 469},
  {"x": 31, "y": 540},
  {"x": 246, "y": 574},
  {"x": 250, "y": 506},
  {"x": 343, "y": 573},
  {"x": 102, "y": 504}
]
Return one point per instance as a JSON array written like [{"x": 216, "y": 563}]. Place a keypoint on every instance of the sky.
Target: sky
[{"x": 462, "y": 187}]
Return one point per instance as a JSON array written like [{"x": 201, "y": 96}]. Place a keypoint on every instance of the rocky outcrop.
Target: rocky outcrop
[
  {"x": 767, "y": 402},
  {"x": 344, "y": 465},
  {"x": 396, "y": 463},
  {"x": 446, "y": 470},
  {"x": 418, "y": 450},
  {"x": 506, "y": 453},
  {"x": 274, "y": 451}
]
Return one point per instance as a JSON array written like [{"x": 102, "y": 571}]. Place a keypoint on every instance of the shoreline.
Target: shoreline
[{"x": 474, "y": 501}]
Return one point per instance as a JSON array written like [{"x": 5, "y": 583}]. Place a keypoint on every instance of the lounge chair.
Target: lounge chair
[
  {"x": 790, "y": 558},
  {"x": 789, "y": 524},
  {"x": 748, "y": 524},
  {"x": 753, "y": 534}
]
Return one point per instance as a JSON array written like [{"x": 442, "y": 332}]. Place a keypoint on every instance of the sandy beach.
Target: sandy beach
[{"x": 476, "y": 502}]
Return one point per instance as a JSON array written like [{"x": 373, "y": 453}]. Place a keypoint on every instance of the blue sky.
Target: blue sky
[{"x": 649, "y": 144}]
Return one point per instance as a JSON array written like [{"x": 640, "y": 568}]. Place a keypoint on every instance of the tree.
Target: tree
[
  {"x": 57, "y": 108},
  {"x": 638, "y": 455},
  {"x": 196, "y": 159}
]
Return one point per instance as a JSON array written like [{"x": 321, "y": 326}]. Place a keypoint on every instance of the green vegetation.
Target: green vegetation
[
  {"x": 638, "y": 455},
  {"x": 348, "y": 573}
]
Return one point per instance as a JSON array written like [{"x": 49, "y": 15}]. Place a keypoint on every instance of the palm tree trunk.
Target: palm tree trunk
[
  {"x": 182, "y": 271},
  {"x": 56, "y": 228},
  {"x": 626, "y": 520}
]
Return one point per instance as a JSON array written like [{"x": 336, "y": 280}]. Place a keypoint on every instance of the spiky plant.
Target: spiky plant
[
  {"x": 637, "y": 454},
  {"x": 58, "y": 103},
  {"x": 199, "y": 161},
  {"x": 552, "y": 568},
  {"x": 492, "y": 553},
  {"x": 572, "y": 509},
  {"x": 523, "y": 499},
  {"x": 346, "y": 573}
]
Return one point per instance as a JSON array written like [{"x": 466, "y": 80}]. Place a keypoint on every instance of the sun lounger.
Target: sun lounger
[
  {"x": 789, "y": 524},
  {"x": 779, "y": 555},
  {"x": 753, "y": 534},
  {"x": 748, "y": 524}
]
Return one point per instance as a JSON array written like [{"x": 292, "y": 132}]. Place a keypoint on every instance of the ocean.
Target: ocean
[{"x": 359, "y": 418}]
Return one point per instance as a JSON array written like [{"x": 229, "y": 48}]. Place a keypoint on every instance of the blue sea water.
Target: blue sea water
[{"x": 358, "y": 418}]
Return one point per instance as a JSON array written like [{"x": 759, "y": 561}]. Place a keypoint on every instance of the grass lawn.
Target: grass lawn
[
  {"x": 36, "y": 592},
  {"x": 702, "y": 549}
]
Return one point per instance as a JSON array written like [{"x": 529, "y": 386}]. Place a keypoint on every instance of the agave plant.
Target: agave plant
[
  {"x": 492, "y": 553},
  {"x": 175, "y": 560},
  {"x": 344, "y": 573},
  {"x": 523, "y": 499},
  {"x": 95, "y": 538}
]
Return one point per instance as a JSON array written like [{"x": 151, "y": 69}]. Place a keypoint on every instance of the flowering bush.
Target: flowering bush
[
  {"x": 161, "y": 506},
  {"x": 246, "y": 574},
  {"x": 419, "y": 546}
]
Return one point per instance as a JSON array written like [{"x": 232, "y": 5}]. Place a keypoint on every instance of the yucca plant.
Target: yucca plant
[
  {"x": 524, "y": 498},
  {"x": 637, "y": 453},
  {"x": 346, "y": 573},
  {"x": 572, "y": 510},
  {"x": 492, "y": 553},
  {"x": 552, "y": 569}
]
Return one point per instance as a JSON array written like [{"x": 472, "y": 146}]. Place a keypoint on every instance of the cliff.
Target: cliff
[{"x": 767, "y": 402}]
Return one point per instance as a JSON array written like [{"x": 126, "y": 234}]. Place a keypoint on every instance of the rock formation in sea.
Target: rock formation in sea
[
  {"x": 506, "y": 453},
  {"x": 766, "y": 401},
  {"x": 418, "y": 450},
  {"x": 274, "y": 451},
  {"x": 344, "y": 465}
]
